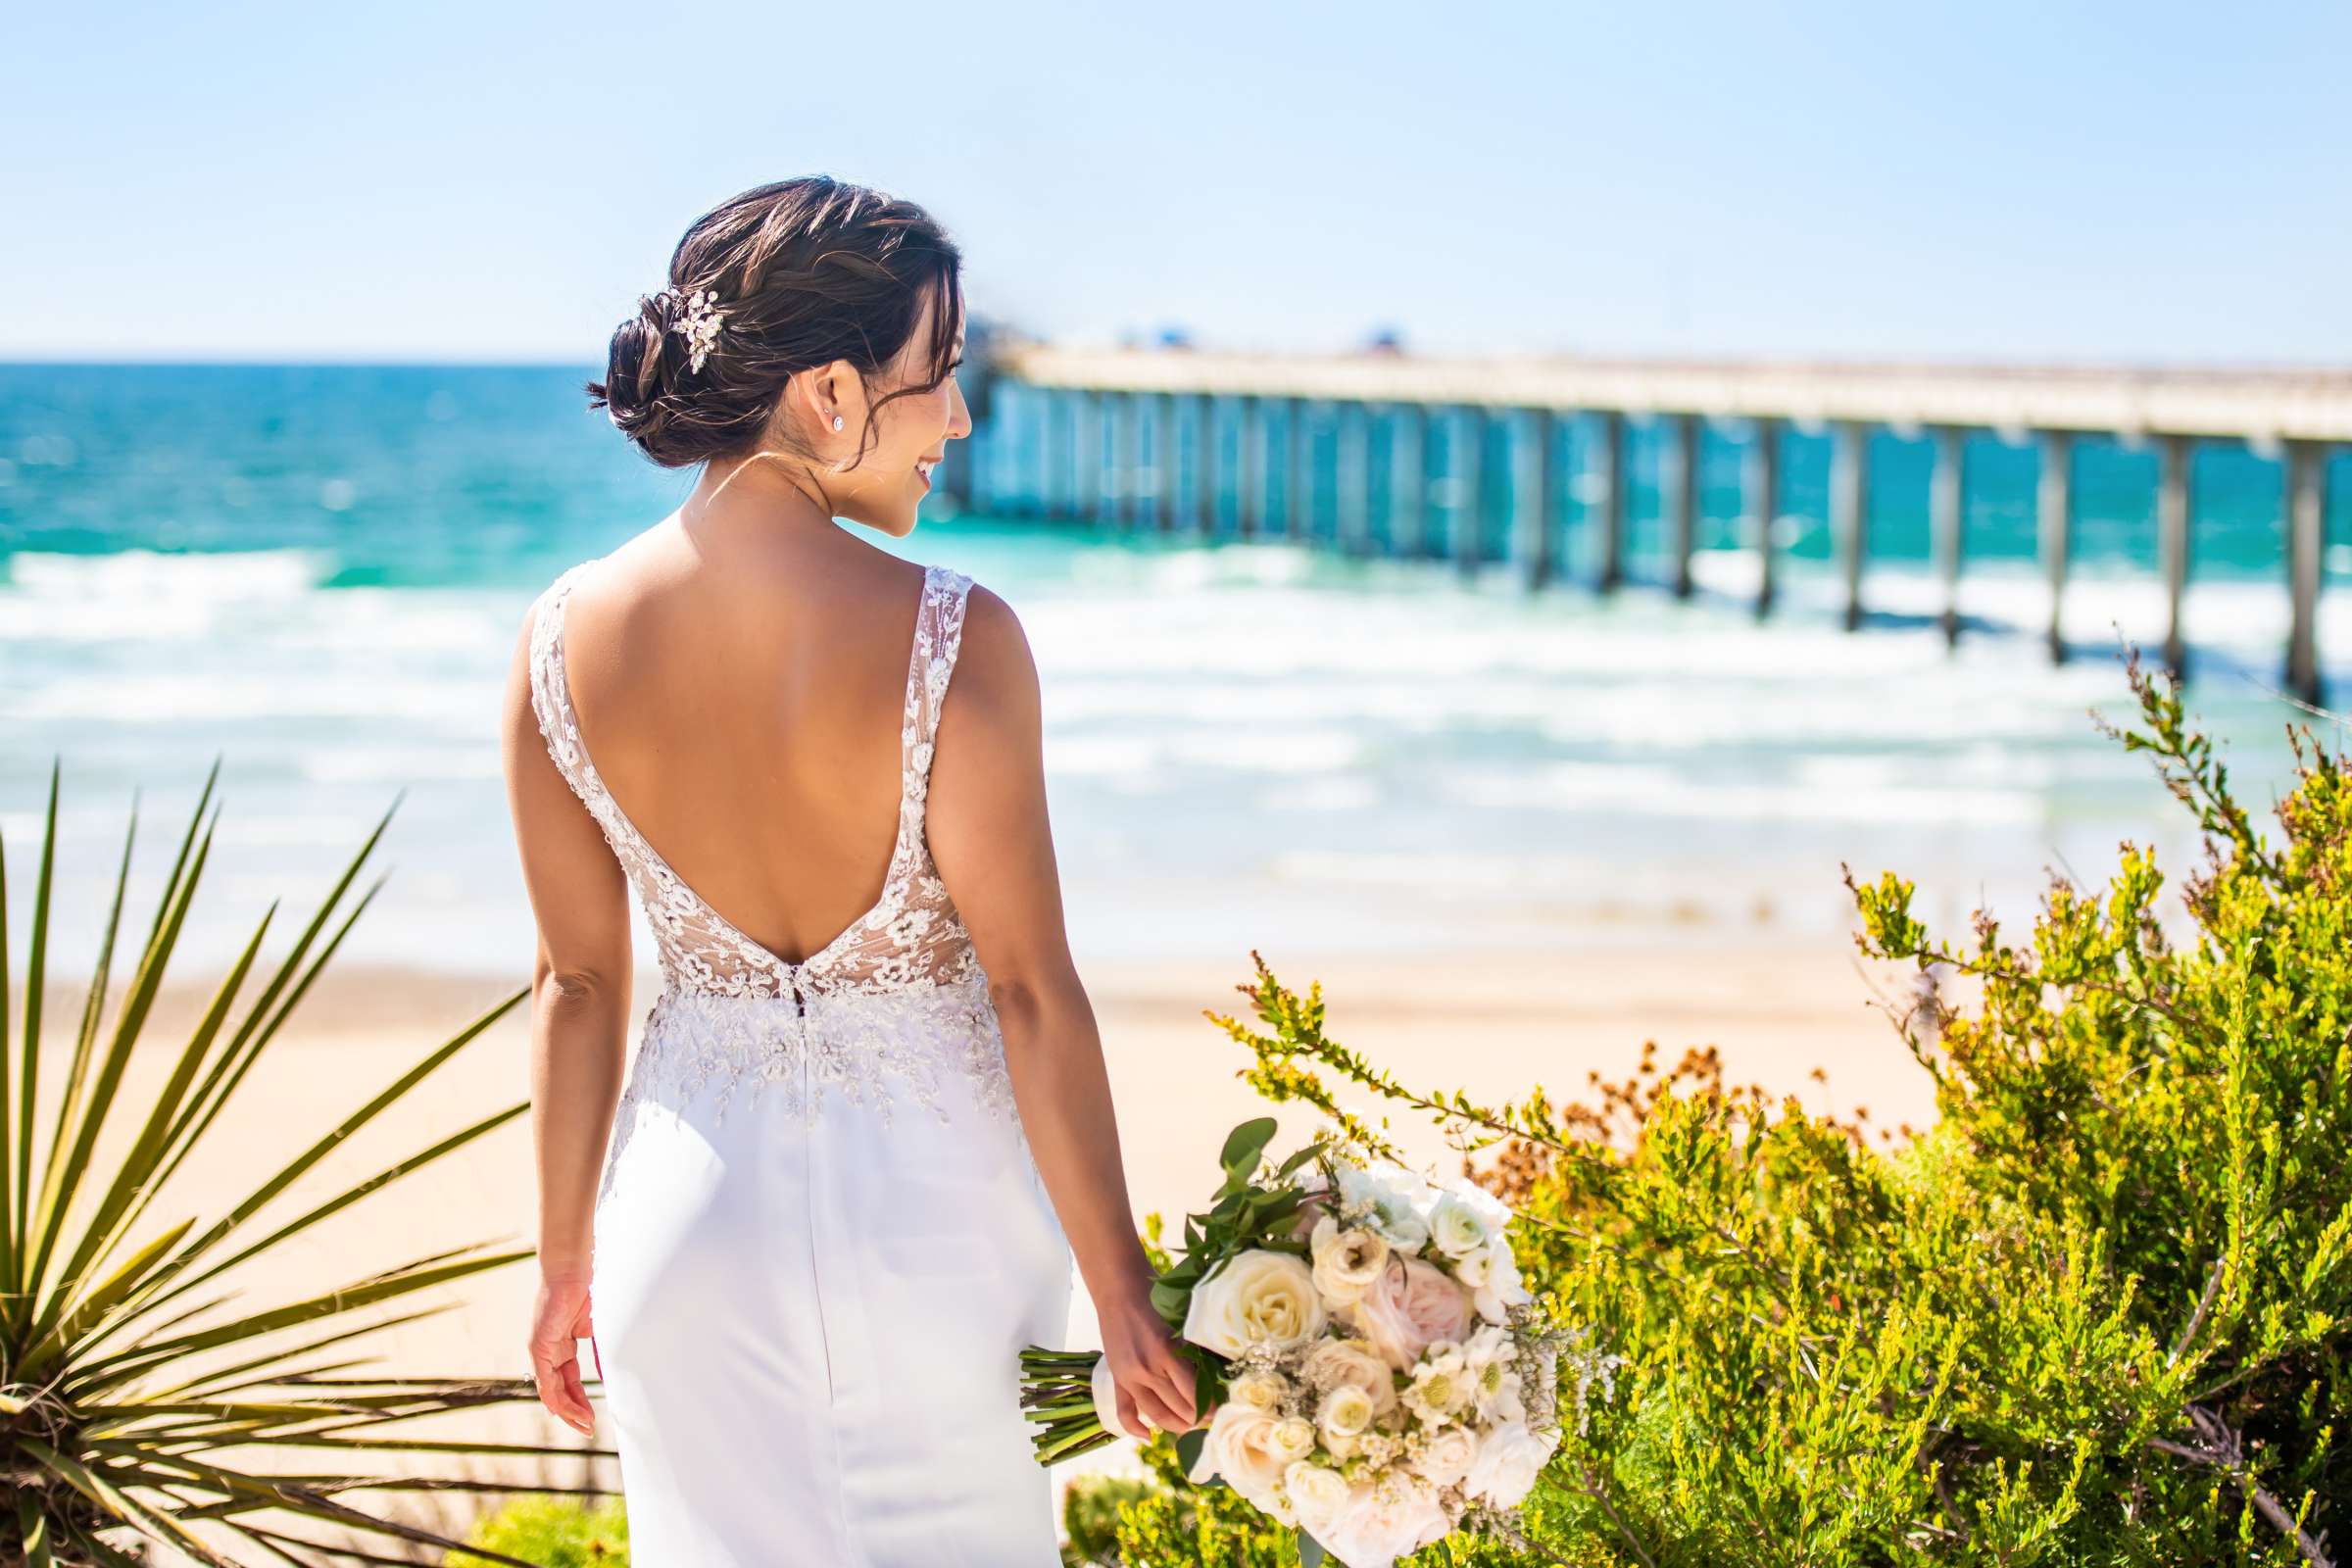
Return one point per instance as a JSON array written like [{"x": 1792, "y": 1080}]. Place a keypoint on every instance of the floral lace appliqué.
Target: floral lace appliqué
[{"x": 883, "y": 1013}]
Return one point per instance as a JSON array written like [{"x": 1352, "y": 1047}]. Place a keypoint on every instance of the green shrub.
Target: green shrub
[
  {"x": 2095, "y": 1315},
  {"x": 1090, "y": 1516},
  {"x": 555, "y": 1532}
]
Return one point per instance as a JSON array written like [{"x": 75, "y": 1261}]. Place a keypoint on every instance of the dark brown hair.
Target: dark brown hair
[{"x": 808, "y": 271}]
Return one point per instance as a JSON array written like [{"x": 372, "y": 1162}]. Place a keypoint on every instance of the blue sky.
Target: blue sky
[{"x": 484, "y": 181}]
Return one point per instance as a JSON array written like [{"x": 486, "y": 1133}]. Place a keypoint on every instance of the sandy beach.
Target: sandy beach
[{"x": 1490, "y": 1023}]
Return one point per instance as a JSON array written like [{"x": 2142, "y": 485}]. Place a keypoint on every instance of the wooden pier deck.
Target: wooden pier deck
[{"x": 2292, "y": 415}]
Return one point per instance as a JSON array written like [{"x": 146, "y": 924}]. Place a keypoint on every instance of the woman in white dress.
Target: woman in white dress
[{"x": 866, "y": 1133}]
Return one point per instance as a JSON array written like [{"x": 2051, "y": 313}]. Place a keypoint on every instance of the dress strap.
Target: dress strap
[
  {"x": 551, "y": 697},
  {"x": 938, "y": 637}
]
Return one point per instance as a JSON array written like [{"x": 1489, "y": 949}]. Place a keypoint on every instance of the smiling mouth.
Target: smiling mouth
[{"x": 925, "y": 466}]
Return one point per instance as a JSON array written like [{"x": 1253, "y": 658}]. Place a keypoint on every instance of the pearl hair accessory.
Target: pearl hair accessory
[{"x": 700, "y": 324}]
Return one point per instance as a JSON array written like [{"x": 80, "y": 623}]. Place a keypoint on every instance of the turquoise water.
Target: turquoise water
[{"x": 318, "y": 573}]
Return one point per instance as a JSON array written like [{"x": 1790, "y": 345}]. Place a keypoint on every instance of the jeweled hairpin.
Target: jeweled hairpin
[{"x": 700, "y": 324}]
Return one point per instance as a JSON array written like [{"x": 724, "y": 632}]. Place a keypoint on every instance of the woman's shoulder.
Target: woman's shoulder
[{"x": 995, "y": 649}]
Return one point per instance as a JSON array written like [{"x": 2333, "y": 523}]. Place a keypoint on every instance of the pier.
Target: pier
[{"x": 1178, "y": 440}]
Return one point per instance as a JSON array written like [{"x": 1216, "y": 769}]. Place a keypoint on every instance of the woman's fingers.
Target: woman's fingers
[
  {"x": 1182, "y": 1391},
  {"x": 1151, "y": 1398},
  {"x": 559, "y": 1385},
  {"x": 556, "y": 1372},
  {"x": 1128, "y": 1418}
]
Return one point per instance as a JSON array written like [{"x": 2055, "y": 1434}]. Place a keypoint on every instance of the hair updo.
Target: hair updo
[{"x": 808, "y": 271}]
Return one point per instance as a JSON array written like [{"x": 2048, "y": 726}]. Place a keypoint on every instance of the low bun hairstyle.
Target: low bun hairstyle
[{"x": 807, "y": 272}]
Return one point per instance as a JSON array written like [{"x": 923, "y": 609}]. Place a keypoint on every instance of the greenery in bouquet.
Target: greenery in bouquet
[{"x": 1380, "y": 1375}]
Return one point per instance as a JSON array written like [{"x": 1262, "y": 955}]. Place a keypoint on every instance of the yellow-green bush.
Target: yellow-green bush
[
  {"x": 2095, "y": 1315},
  {"x": 555, "y": 1531}
]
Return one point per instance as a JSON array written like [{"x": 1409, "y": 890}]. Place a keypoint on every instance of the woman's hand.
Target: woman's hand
[
  {"x": 1148, "y": 1368},
  {"x": 559, "y": 1321}
]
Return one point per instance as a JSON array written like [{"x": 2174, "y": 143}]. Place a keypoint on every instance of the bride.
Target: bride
[{"x": 868, "y": 1127}]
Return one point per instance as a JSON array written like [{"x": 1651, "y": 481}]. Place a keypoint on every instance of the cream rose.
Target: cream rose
[
  {"x": 1346, "y": 1412},
  {"x": 1409, "y": 1307},
  {"x": 1509, "y": 1458},
  {"x": 1261, "y": 1391},
  {"x": 1346, "y": 1261},
  {"x": 1395, "y": 1513},
  {"x": 1257, "y": 1297},
  {"x": 1242, "y": 1447},
  {"x": 1446, "y": 1455},
  {"x": 1333, "y": 1363},
  {"x": 1317, "y": 1495},
  {"x": 1293, "y": 1440}
]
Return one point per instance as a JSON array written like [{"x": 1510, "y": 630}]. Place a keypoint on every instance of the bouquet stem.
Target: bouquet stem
[{"x": 1057, "y": 1392}]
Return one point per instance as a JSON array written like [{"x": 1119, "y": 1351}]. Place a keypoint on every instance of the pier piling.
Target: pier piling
[
  {"x": 1849, "y": 488},
  {"x": 1617, "y": 475},
  {"x": 2054, "y": 528},
  {"x": 1687, "y": 499},
  {"x": 1768, "y": 509},
  {"x": 2306, "y": 535},
  {"x": 1947, "y": 498},
  {"x": 1064, "y": 448},
  {"x": 2171, "y": 544}
]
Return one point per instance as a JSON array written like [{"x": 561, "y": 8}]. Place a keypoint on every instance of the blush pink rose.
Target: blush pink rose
[{"x": 1410, "y": 1307}]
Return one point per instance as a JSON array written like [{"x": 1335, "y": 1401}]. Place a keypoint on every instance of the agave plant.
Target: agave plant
[{"x": 120, "y": 1389}]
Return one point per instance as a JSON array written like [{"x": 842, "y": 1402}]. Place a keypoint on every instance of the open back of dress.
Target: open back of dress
[{"x": 810, "y": 1316}]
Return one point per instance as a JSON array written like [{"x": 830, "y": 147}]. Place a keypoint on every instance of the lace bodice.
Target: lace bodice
[{"x": 897, "y": 994}]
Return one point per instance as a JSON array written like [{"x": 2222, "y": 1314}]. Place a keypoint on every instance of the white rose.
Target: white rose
[
  {"x": 1393, "y": 1513},
  {"x": 1509, "y": 1458},
  {"x": 1346, "y": 1261},
  {"x": 1241, "y": 1446},
  {"x": 1456, "y": 1228},
  {"x": 1475, "y": 1269},
  {"x": 1333, "y": 1363},
  {"x": 1492, "y": 1211},
  {"x": 1317, "y": 1494},
  {"x": 1500, "y": 1287},
  {"x": 1257, "y": 1297},
  {"x": 1345, "y": 1411},
  {"x": 1446, "y": 1455}
]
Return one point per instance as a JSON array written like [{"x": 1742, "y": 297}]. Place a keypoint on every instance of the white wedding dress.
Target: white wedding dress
[{"x": 820, "y": 1241}]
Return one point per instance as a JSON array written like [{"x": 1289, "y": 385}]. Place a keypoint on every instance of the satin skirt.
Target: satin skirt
[{"x": 809, "y": 1301}]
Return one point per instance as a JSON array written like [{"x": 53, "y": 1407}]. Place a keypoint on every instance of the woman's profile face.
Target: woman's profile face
[{"x": 911, "y": 435}]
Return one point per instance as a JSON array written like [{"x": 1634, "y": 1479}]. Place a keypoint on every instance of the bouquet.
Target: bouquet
[{"x": 1379, "y": 1374}]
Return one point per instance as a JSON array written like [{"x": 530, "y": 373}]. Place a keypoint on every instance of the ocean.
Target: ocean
[{"x": 317, "y": 574}]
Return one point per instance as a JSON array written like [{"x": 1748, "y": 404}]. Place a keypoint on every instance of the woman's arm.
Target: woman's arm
[
  {"x": 986, "y": 819},
  {"x": 579, "y": 1031}
]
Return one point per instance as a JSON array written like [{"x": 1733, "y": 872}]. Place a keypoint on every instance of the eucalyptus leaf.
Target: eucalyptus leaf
[{"x": 1246, "y": 1144}]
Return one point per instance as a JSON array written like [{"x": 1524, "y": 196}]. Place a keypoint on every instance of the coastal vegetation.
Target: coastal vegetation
[{"x": 2099, "y": 1313}]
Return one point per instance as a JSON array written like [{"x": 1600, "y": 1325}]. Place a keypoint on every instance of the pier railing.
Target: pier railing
[{"x": 2296, "y": 418}]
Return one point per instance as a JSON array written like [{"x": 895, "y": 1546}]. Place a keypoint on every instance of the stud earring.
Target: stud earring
[{"x": 837, "y": 421}]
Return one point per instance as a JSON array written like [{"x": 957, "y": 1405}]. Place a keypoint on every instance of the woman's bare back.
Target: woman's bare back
[{"x": 745, "y": 713}]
